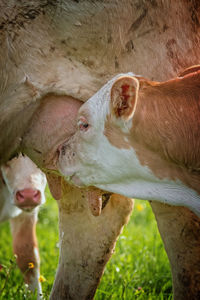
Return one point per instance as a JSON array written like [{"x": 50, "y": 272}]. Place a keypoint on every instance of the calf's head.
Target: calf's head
[
  {"x": 132, "y": 139},
  {"x": 25, "y": 182},
  {"x": 94, "y": 154}
]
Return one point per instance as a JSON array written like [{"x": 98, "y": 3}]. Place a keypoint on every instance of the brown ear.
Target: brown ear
[
  {"x": 189, "y": 70},
  {"x": 124, "y": 94}
]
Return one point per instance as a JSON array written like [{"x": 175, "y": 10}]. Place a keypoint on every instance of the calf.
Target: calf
[
  {"x": 140, "y": 139},
  {"x": 22, "y": 187}
]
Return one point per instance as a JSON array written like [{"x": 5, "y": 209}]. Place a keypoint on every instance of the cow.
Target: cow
[
  {"x": 141, "y": 139},
  {"x": 22, "y": 187},
  {"x": 60, "y": 51}
]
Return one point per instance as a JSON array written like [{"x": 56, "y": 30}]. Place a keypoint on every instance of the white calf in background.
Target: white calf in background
[{"x": 22, "y": 186}]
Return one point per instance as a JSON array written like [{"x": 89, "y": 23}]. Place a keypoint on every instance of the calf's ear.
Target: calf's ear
[{"x": 124, "y": 94}]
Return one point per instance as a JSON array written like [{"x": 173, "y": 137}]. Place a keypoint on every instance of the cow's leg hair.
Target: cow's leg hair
[
  {"x": 180, "y": 231},
  {"x": 23, "y": 229},
  {"x": 86, "y": 242}
]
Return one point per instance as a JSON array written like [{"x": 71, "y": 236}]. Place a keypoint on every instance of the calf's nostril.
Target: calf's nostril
[
  {"x": 20, "y": 197},
  {"x": 36, "y": 196}
]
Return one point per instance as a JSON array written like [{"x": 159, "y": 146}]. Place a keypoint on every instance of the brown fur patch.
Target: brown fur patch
[
  {"x": 24, "y": 242},
  {"x": 115, "y": 135},
  {"x": 166, "y": 129}
]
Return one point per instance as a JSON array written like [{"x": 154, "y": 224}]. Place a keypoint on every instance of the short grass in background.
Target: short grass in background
[{"x": 139, "y": 268}]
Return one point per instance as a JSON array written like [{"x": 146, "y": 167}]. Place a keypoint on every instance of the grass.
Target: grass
[{"x": 139, "y": 268}]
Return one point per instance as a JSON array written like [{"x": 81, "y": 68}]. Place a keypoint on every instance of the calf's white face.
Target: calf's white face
[
  {"x": 87, "y": 157},
  {"x": 21, "y": 193},
  {"x": 25, "y": 182},
  {"x": 128, "y": 141}
]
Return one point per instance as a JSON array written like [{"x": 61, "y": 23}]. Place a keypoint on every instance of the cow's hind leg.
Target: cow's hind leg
[
  {"x": 25, "y": 247},
  {"x": 180, "y": 231}
]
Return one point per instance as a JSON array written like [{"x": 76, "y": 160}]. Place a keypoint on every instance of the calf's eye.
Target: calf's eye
[{"x": 83, "y": 124}]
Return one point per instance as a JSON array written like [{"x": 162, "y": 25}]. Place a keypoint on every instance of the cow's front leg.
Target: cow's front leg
[
  {"x": 86, "y": 242},
  {"x": 180, "y": 231},
  {"x": 25, "y": 247}
]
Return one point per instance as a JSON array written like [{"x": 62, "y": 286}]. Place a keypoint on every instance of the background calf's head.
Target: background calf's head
[{"x": 25, "y": 181}]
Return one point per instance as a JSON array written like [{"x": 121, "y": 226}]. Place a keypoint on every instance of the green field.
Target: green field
[{"x": 139, "y": 268}]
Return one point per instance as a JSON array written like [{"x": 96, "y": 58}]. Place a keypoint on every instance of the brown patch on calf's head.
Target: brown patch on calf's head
[
  {"x": 165, "y": 132},
  {"x": 115, "y": 135},
  {"x": 124, "y": 95}
]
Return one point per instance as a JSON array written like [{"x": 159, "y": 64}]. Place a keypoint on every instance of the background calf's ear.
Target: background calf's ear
[{"x": 124, "y": 94}]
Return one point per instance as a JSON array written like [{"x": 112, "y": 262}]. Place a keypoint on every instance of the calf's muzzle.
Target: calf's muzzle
[{"x": 28, "y": 198}]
